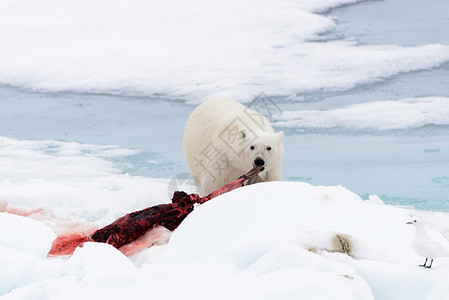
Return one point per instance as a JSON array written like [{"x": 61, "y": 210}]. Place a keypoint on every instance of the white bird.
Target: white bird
[{"x": 429, "y": 244}]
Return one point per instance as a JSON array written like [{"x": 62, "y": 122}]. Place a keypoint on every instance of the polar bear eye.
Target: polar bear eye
[
  {"x": 268, "y": 148},
  {"x": 252, "y": 147}
]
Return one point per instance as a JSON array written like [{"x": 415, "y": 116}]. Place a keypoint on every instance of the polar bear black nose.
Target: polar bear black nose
[{"x": 259, "y": 162}]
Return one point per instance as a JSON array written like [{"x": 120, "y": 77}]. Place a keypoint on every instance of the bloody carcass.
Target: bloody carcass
[{"x": 134, "y": 225}]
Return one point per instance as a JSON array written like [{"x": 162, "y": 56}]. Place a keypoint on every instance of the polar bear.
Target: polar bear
[{"x": 224, "y": 139}]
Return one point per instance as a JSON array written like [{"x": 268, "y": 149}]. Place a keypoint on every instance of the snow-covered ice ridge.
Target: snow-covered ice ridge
[
  {"x": 378, "y": 115},
  {"x": 279, "y": 240},
  {"x": 190, "y": 50},
  {"x": 77, "y": 180}
]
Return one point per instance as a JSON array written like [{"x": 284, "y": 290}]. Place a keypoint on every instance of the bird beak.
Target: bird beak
[{"x": 409, "y": 223}]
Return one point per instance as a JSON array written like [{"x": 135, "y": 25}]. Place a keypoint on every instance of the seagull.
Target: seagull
[{"x": 429, "y": 244}]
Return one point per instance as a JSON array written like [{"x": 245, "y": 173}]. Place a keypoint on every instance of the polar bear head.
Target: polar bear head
[{"x": 259, "y": 148}]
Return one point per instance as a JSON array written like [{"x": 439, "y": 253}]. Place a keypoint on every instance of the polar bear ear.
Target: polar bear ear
[
  {"x": 242, "y": 133},
  {"x": 280, "y": 136}
]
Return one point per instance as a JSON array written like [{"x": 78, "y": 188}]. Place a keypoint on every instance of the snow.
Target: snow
[
  {"x": 21, "y": 268},
  {"x": 309, "y": 211},
  {"x": 36, "y": 237},
  {"x": 265, "y": 241},
  {"x": 378, "y": 115},
  {"x": 64, "y": 176},
  {"x": 24, "y": 244},
  {"x": 101, "y": 264},
  {"x": 190, "y": 51}
]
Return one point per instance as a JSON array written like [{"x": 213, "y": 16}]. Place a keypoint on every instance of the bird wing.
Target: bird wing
[
  {"x": 440, "y": 239},
  {"x": 434, "y": 249}
]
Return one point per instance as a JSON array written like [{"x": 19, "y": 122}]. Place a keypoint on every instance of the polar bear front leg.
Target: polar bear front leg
[
  {"x": 275, "y": 174},
  {"x": 215, "y": 175},
  {"x": 206, "y": 185}
]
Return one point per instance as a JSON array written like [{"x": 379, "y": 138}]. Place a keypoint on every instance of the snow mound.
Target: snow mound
[
  {"x": 380, "y": 115},
  {"x": 24, "y": 244},
  {"x": 244, "y": 224},
  {"x": 276, "y": 240},
  {"x": 25, "y": 234},
  {"x": 284, "y": 239},
  {"x": 21, "y": 268},
  {"x": 101, "y": 264}
]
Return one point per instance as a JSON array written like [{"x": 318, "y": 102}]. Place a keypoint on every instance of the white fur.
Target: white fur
[{"x": 218, "y": 139}]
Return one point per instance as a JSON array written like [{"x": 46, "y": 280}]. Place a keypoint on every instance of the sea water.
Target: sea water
[
  {"x": 406, "y": 165},
  {"x": 414, "y": 160}
]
